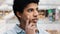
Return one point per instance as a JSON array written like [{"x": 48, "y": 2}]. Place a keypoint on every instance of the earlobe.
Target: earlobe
[{"x": 18, "y": 14}]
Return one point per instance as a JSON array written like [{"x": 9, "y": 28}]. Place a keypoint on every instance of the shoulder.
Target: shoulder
[{"x": 10, "y": 30}]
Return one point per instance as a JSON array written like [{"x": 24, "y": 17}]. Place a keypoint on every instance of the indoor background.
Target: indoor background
[{"x": 49, "y": 15}]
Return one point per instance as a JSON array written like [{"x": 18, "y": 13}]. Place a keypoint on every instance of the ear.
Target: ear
[{"x": 18, "y": 14}]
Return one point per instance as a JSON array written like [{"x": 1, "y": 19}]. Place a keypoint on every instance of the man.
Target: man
[{"x": 27, "y": 13}]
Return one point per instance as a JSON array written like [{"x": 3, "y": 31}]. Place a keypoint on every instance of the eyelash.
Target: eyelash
[
  {"x": 37, "y": 10},
  {"x": 30, "y": 10}
]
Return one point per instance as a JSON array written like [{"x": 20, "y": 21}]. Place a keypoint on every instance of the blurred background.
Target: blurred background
[{"x": 49, "y": 15}]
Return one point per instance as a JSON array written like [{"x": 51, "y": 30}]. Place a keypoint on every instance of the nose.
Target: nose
[{"x": 35, "y": 14}]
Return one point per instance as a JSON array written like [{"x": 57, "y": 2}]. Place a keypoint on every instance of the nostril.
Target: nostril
[{"x": 35, "y": 15}]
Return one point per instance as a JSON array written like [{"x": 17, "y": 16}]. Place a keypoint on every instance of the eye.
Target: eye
[
  {"x": 37, "y": 9},
  {"x": 30, "y": 10}
]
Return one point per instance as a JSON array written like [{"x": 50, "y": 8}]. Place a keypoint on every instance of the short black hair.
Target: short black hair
[{"x": 19, "y": 5}]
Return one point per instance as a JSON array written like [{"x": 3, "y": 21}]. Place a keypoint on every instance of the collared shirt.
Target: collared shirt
[{"x": 18, "y": 30}]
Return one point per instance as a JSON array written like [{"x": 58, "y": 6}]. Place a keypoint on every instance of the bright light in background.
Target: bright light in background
[
  {"x": 9, "y": 2},
  {"x": 5, "y": 7},
  {"x": 50, "y": 2},
  {"x": 1, "y": 1}
]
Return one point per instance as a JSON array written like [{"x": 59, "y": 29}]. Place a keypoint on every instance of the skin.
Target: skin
[
  {"x": 41, "y": 15},
  {"x": 29, "y": 18}
]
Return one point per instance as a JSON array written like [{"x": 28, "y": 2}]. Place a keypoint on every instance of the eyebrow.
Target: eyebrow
[{"x": 32, "y": 8}]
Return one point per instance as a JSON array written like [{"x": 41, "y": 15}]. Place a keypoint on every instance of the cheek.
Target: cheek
[
  {"x": 25, "y": 17},
  {"x": 30, "y": 17}
]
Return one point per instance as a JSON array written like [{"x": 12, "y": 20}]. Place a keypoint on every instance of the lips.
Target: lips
[{"x": 35, "y": 20}]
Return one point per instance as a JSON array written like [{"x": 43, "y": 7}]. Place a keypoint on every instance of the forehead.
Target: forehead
[{"x": 32, "y": 5}]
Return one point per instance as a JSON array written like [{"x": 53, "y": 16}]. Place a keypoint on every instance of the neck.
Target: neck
[{"x": 22, "y": 25}]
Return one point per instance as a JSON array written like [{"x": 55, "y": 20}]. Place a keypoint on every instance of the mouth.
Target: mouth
[{"x": 35, "y": 20}]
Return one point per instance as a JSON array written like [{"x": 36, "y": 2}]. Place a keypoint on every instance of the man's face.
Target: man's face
[{"x": 30, "y": 13}]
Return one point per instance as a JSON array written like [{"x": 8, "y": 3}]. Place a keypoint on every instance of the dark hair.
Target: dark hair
[{"x": 19, "y": 5}]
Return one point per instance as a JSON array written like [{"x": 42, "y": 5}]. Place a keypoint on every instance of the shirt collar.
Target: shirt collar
[{"x": 18, "y": 29}]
